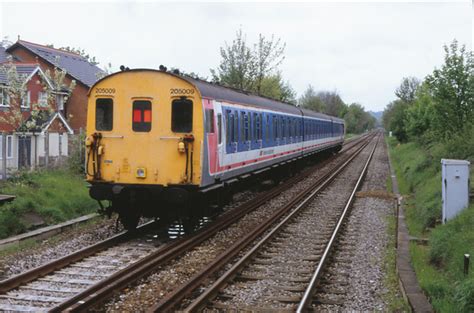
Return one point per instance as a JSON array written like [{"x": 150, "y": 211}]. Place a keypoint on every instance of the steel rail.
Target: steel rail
[
  {"x": 308, "y": 294},
  {"x": 45, "y": 269},
  {"x": 201, "y": 301},
  {"x": 119, "y": 280},
  {"x": 170, "y": 301}
]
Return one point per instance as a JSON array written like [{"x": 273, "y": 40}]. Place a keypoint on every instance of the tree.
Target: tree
[
  {"x": 407, "y": 89},
  {"x": 107, "y": 70},
  {"x": 394, "y": 119},
  {"x": 268, "y": 56},
  {"x": 254, "y": 68},
  {"x": 310, "y": 100},
  {"x": 358, "y": 120},
  {"x": 452, "y": 89},
  {"x": 275, "y": 87},
  {"x": 419, "y": 115},
  {"x": 5, "y": 42},
  {"x": 17, "y": 89},
  {"x": 333, "y": 104},
  {"x": 237, "y": 67},
  {"x": 80, "y": 51}
]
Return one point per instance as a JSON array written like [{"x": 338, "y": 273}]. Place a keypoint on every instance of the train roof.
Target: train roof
[
  {"x": 218, "y": 92},
  {"x": 307, "y": 112}
]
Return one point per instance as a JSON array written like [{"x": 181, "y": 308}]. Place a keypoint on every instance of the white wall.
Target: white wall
[{"x": 12, "y": 162}]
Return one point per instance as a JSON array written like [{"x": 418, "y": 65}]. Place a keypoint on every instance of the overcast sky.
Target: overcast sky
[{"x": 360, "y": 49}]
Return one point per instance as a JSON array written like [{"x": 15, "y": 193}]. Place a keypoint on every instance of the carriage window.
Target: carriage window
[
  {"x": 104, "y": 114},
  {"x": 235, "y": 136},
  {"x": 242, "y": 126},
  {"x": 259, "y": 127},
  {"x": 247, "y": 127},
  {"x": 141, "y": 117},
  {"x": 228, "y": 125},
  {"x": 182, "y": 115},
  {"x": 254, "y": 127},
  {"x": 209, "y": 121},
  {"x": 219, "y": 127},
  {"x": 275, "y": 127},
  {"x": 267, "y": 130}
]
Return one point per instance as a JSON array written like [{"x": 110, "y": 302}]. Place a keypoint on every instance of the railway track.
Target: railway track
[
  {"x": 279, "y": 271},
  {"x": 87, "y": 277}
]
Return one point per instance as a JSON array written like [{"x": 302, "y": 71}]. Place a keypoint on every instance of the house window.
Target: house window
[
  {"x": 182, "y": 115},
  {"x": 9, "y": 147},
  {"x": 60, "y": 102},
  {"x": 25, "y": 101},
  {"x": 4, "y": 99},
  {"x": 141, "y": 116},
  {"x": 43, "y": 99},
  {"x": 104, "y": 113}
]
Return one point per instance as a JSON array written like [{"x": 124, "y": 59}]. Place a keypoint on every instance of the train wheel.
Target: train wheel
[
  {"x": 189, "y": 224},
  {"x": 129, "y": 220}
]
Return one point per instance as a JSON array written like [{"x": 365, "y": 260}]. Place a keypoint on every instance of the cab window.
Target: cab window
[
  {"x": 104, "y": 114},
  {"x": 141, "y": 117},
  {"x": 182, "y": 115}
]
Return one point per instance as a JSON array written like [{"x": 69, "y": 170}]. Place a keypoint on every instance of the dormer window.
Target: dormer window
[
  {"x": 26, "y": 100},
  {"x": 4, "y": 99},
  {"x": 60, "y": 102},
  {"x": 43, "y": 99}
]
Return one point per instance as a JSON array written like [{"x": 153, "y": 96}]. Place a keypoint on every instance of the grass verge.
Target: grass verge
[
  {"x": 53, "y": 196},
  {"x": 439, "y": 266}
]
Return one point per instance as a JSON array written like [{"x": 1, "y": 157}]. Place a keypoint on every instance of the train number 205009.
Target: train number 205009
[
  {"x": 105, "y": 90},
  {"x": 181, "y": 91}
]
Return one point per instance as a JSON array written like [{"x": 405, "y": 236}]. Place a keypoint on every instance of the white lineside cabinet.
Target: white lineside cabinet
[{"x": 455, "y": 182}]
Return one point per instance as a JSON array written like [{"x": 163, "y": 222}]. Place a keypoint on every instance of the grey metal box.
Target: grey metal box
[{"x": 455, "y": 190}]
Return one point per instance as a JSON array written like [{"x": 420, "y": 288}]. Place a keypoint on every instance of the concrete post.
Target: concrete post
[
  {"x": 81, "y": 157},
  {"x": 60, "y": 146},
  {"x": 4, "y": 155},
  {"x": 35, "y": 162},
  {"x": 46, "y": 149}
]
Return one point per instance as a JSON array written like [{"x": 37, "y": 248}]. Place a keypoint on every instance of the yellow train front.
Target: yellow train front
[{"x": 144, "y": 139}]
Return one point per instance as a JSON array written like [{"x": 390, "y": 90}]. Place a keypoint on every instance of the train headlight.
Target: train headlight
[{"x": 141, "y": 172}]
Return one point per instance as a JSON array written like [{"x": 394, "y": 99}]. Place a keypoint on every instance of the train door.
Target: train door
[
  {"x": 231, "y": 130},
  {"x": 221, "y": 133}
]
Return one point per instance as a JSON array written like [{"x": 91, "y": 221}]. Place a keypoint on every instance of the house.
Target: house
[
  {"x": 48, "y": 141},
  {"x": 78, "y": 68},
  {"x": 46, "y": 137}
]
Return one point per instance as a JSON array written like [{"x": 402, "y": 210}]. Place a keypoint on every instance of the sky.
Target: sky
[{"x": 362, "y": 50}]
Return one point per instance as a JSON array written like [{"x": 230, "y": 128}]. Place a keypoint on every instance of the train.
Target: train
[{"x": 160, "y": 143}]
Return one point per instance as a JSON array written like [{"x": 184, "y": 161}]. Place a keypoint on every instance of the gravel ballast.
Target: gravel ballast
[
  {"x": 358, "y": 271},
  {"x": 157, "y": 286}
]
